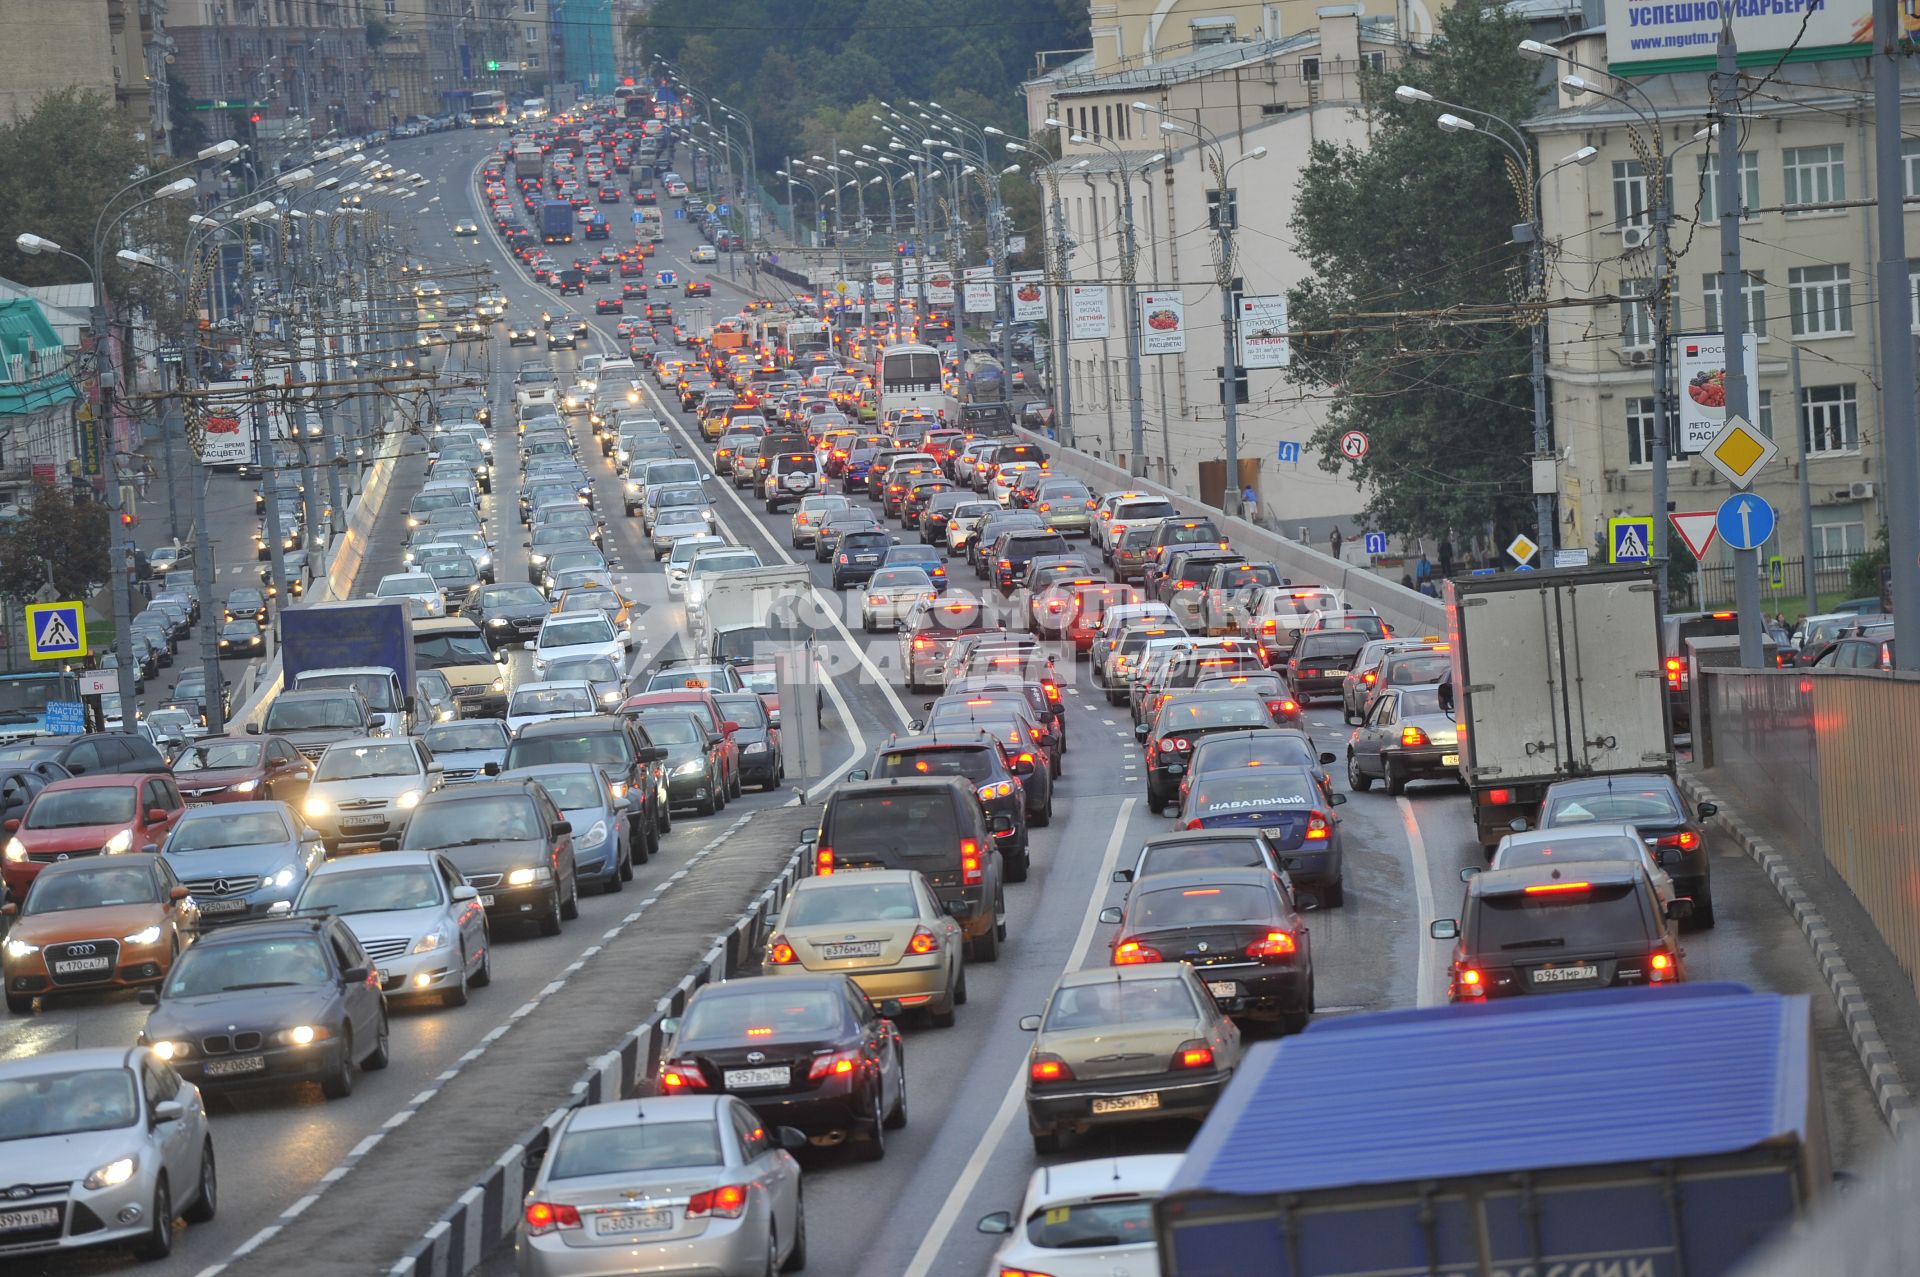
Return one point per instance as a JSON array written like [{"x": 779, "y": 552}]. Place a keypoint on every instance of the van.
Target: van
[
  {"x": 456, "y": 647},
  {"x": 933, "y": 824}
]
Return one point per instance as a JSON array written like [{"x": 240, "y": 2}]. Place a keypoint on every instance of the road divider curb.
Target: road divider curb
[
  {"x": 1890, "y": 1093},
  {"x": 485, "y": 1214}
]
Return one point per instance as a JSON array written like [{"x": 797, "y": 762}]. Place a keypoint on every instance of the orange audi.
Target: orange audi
[{"x": 97, "y": 923}]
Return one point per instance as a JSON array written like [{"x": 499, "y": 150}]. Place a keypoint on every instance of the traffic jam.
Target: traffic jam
[{"x": 463, "y": 758}]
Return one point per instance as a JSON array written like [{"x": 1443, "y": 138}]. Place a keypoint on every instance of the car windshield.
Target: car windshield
[
  {"x": 461, "y": 567},
  {"x": 1529, "y": 926},
  {"x": 1201, "y": 906},
  {"x": 47, "y": 1104},
  {"x": 1080, "y": 1225},
  {"x": 573, "y": 631},
  {"x": 217, "y": 755},
  {"x": 636, "y": 1146},
  {"x": 1115, "y": 1002},
  {"x": 1417, "y": 701},
  {"x": 574, "y": 790},
  {"x": 98, "y": 888},
  {"x": 670, "y": 727},
  {"x": 364, "y": 762},
  {"x": 713, "y": 564},
  {"x": 212, "y": 829},
  {"x": 508, "y": 595},
  {"x": 263, "y": 963},
  {"x": 1627, "y": 804},
  {"x": 672, "y": 472},
  {"x": 1419, "y": 669},
  {"x": 372, "y": 890},
  {"x": 76, "y": 808},
  {"x": 469, "y": 822},
  {"x": 551, "y": 700},
  {"x": 849, "y": 900},
  {"x": 735, "y": 1016},
  {"x": 477, "y": 733},
  {"x": 378, "y": 689},
  {"x": 448, "y": 651},
  {"x": 293, "y": 716},
  {"x": 685, "y": 548},
  {"x": 974, "y": 764}
]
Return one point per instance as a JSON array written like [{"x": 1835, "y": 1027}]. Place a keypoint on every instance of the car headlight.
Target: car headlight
[
  {"x": 303, "y": 1035},
  {"x": 595, "y": 836},
  {"x": 497, "y": 620},
  {"x": 119, "y": 842},
  {"x": 282, "y": 879},
  {"x": 429, "y": 942},
  {"x": 408, "y": 800},
  {"x": 20, "y": 948},
  {"x": 16, "y": 850},
  {"x": 754, "y": 747},
  {"x": 499, "y": 685},
  {"x": 247, "y": 786},
  {"x": 171, "y": 1050},
  {"x": 146, "y": 935},
  {"x": 316, "y": 806},
  {"x": 112, "y": 1174},
  {"x": 529, "y": 876},
  {"x": 691, "y": 767}
]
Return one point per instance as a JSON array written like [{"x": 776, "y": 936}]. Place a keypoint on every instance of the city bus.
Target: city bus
[
  {"x": 487, "y": 109},
  {"x": 24, "y": 699},
  {"x": 914, "y": 376}
]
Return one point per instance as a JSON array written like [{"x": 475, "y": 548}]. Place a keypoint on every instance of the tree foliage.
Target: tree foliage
[
  {"x": 1419, "y": 222},
  {"x": 58, "y": 536}
]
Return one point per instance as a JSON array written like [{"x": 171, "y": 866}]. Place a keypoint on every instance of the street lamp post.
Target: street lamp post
[
  {"x": 1058, "y": 248},
  {"x": 1129, "y": 283}
]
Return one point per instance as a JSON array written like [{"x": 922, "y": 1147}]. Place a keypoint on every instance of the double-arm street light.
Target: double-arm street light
[{"x": 1129, "y": 281}]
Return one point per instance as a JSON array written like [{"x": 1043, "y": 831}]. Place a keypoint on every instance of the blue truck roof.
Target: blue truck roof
[{"x": 1524, "y": 1084}]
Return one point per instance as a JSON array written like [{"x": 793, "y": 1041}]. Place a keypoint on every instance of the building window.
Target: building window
[
  {"x": 1830, "y": 418},
  {"x": 1636, "y": 316},
  {"x": 393, "y": 7},
  {"x": 1710, "y": 185},
  {"x": 1840, "y": 540},
  {"x": 1376, "y": 62},
  {"x": 1822, "y": 300},
  {"x": 530, "y": 4},
  {"x": 1753, "y": 293},
  {"x": 1211, "y": 31},
  {"x": 1764, "y": 417},
  {"x": 1632, "y": 193},
  {"x": 533, "y": 34},
  {"x": 1910, "y": 167},
  {"x": 1640, "y": 440},
  {"x": 1310, "y": 70},
  {"x": 1913, "y": 294},
  {"x": 1815, "y": 175}
]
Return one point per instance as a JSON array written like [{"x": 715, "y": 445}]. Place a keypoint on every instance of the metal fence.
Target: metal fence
[{"x": 1782, "y": 581}]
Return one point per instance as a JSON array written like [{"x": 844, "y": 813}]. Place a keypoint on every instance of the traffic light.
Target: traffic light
[
  {"x": 128, "y": 519},
  {"x": 254, "y": 118}
]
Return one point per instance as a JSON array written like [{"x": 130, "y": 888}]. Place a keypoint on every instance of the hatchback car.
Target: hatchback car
[
  {"x": 97, "y": 923},
  {"x": 417, "y": 920},
  {"x": 88, "y": 816},
  {"x": 1084, "y": 1219},
  {"x": 602, "y": 855},
  {"x": 885, "y": 929}
]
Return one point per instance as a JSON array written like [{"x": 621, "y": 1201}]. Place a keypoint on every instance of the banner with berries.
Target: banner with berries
[
  {"x": 1163, "y": 324},
  {"x": 1700, "y": 372}
]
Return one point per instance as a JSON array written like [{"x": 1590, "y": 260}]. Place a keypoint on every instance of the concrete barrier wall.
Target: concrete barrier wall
[{"x": 1407, "y": 611}]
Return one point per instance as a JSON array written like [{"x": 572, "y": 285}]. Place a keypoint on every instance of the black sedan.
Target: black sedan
[
  {"x": 1289, "y": 804},
  {"x": 242, "y": 636},
  {"x": 1405, "y": 736},
  {"x": 509, "y": 842},
  {"x": 1237, "y": 928},
  {"x": 807, "y": 1051},
  {"x": 695, "y": 767},
  {"x": 608, "y": 306},
  {"x": 522, "y": 334},
  {"x": 271, "y": 1002},
  {"x": 1653, "y": 804},
  {"x": 507, "y": 615},
  {"x": 757, "y": 738},
  {"x": 1183, "y": 723}
]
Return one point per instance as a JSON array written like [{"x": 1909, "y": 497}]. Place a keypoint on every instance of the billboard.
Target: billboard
[
  {"x": 1029, "y": 298},
  {"x": 939, "y": 284},
  {"x": 1263, "y": 332},
  {"x": 978, "y": 285},
  {"x": 1700, "y": 373},
  {"x": 1658, "y": 37},
  {"x": 886, "y": 282},
  {"x": 1087, "y": 318},
  {"x": 1163, "y": 324}
]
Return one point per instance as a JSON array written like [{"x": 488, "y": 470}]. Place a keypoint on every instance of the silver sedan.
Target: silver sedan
[
  {"x": 364, "y": 790},
  {"x": 681, "y": 1183},
  {"x": 416, "y": 917},
  {"x": 891, "y": 595}
]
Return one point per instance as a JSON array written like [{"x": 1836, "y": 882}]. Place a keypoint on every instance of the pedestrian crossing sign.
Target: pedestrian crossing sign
[
  {"x": 1629, "y": 540},
  {"x": 56, "y": 631}
]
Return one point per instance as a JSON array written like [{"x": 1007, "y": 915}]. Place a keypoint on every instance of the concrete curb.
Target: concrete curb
[
  {"x": 486, "y": 1214},
  {"x": 1890, "y": 1092}
]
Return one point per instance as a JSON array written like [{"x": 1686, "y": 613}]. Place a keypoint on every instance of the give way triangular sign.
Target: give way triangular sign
[{"x": 1696, "y": 528}]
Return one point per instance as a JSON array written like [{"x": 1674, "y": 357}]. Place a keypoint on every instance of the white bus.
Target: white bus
[
  {"x": 487, "y": 109},
  {"x": 914, "y": 376}
]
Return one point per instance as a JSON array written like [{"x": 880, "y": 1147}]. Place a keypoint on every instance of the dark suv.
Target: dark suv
[
  {"x": 621, "y": 747},
  {"x": 1560, "y": 928},
  {"x": 1319, "y": 662},
  {"x": 858, "y": 556},
  {"x": 979, "y": 759},
  {"x": 934, "y": 824},
  {"x": 95, "y": 754},
  {"x": 1012, "y": 551}
]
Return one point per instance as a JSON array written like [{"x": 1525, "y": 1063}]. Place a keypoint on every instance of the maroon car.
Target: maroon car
[{"x": 241, "y": 769}]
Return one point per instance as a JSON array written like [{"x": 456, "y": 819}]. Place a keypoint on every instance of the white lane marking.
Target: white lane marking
[
  {"x": 1016, "y": 1097},
  {"x": 1426, "y": 992},
  {"x": 853, "y": 730}
]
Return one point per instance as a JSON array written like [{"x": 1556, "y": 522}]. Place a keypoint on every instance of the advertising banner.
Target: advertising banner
[
  {"x": 1263, "y": 332},
  {"x": 886, "y": 282},
  {"x": 978, "y": 282},
  {"x": 1659, "y": 37},
  {"x": 1163, "y": 324},
  {"x": 1087, "y": 317},
  {"x": 1700, "y": 371},
  {"x": 1029, "y": 296},
  {"x": 939, "y": 284}
]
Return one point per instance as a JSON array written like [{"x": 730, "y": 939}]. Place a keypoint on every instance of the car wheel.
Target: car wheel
[
  {"x": 1357, "y": 780},
  {"x": 381, "y": 1055},
  {"x": 1018, "y": 863},
  {"x": 622, "y": 871},
  {"x": 797, "y": 1255},
  {"x": 707, "y": 806},
  {"x": 874, "y": 1147},
  {"x": 1702, "y": 919},
  {"x": 207, "y": 1200},
  {"x": 943, "y": 1018},
  {"x": 157, "y": 1243},
  {"x": 985, "y": 947},
  {"x": 663, "y": 822},
  {"x": 1046, "y": 1142},
  {"x": 550, "y": 921},
  {"x": 484, "y": 976},
  {"x": 897, "y": 1120},
  {"x": 20, "y": 1004},
  {"x": 570, "y": 907},
  {"x": 1156, "y": 802},
  {"x": 960, "y": 988},
  {"x": 1396, "y": 782},
  {"x": 338, "y": 1085},
  {"x": 457, "y": 995}
]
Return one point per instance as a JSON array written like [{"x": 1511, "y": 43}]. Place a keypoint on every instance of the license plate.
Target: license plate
[
  {"x": 486, "y": 902},
  {"x": 72, "y": 965},
  {"x": 1174, "y": 769},
  {"x": 863, "y": 949},
  {"x": 1561, "y": 975},
  {"x": 1127, "y": 1103},
  {"x": 866, "y": 558},
  {"x": 361, "y": 822},
  {"x": 38, "y": 1217},
  {"x": 203, "y": 802},
  {"x": 636, "y": 1221},
  {"x": 222, "y": 906},
  {"x": 238, "y": 1064},
  {"x": 1223, "y": 988},
  {"x": 736, "y": 1078},
  {"x": 1449, "y": 760}
]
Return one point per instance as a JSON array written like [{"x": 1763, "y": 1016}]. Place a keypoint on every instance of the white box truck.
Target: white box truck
[{"x": 1555, "y": 675}]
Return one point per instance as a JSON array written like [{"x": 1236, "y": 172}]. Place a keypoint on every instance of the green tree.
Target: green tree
[
  {"x": 54, "y": 537},
  {"x": 1419, "y": 225},
  {"x": 188, "y": 135}
]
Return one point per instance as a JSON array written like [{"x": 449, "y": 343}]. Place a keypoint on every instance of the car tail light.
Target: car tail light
[
  {"x": 726, "y": 1202},
  {"x": 822, "y": 861},
  {"x": 1499, "y": 797},
  {"x": 1412, "y": 737},
  {"x": 1170, "y": 744},
  {"x": 1275, "y": 944},
  {"x": 1685, "y": 840},
  {"x": 1660, "y": 968},
  {"x": 1006, "y": 563},
  {"x": 1130, "y": 953},
  {"x": 1369, "y": 676},
  {"x": 1558, "y": 888},
  {"x": 548, "y": 1217},
  {"x": 923, "y": 942},
  {"x": 1193, "y": 1054},
  {"x": 677, "y": 1077},
  {"x": 779, "y": 952},
  {"x": 1052, "y": 690},
  {"x": 1318, "y": 830},
  {"x": 1470, "y": 984},
  {"x": 972, "y": 870},
  {"x": 1676, "y": 673},
  {"x": 1048, "y": 1068},
  {"x": 922, "y": 644},
  {"x": 837, "y": 1063}
]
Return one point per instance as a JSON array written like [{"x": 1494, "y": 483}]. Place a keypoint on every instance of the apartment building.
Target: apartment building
[
  {"x": 279, "y": 59},
  {"x": 114, "y": 47}
]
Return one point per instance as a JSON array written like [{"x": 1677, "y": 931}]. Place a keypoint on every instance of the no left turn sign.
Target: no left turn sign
[{"x": 1353, "y": 445}]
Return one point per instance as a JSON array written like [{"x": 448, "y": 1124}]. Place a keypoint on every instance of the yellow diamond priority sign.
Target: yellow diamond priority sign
[
  {"x": 1523, "y": 549},
  {"x": 1739, "y": 451}
]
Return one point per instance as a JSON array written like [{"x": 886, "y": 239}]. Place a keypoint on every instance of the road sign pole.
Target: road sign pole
[
  {"x": 1809, "y": 585},
  {"x": 1733, "y": 311},
  {"x": 1897, "y": 424}
]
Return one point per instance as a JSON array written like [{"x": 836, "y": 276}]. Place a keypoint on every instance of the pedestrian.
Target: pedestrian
[
  {"x": 1446, "y": 557},
  {"x": 1334, "y": 538},
  {"x": 1249, "y": 504}
]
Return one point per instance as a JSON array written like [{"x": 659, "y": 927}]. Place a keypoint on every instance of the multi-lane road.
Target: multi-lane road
[{"x": 966, "y": 1150}]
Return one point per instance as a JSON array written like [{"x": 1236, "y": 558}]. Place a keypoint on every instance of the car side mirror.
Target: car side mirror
[
  {"x": 354, "y": 975},
  {"x": 1444, "y": 929},
  {"x": 10, "y": 909},
  {"x": 1679, "y": 910},
  {"x": 490, "y": 769},
  {"x": 1328, "y": 759},
  {"x": 729, "y": 727},
  {"x": 653, "y": 754},
  {"x": 1669, "y": 857},
  {"x": 1337, "y": 800},
  {"x": 791, "y": 1138},
  {"x": 155, "y": 816},
  {"x": 1708, "y": 810},
  {"x": 1110, "y": 917},
  {"x": 253, "y": 729},
  {"x": 1029, "y": 1024},
  {"x": 1023, "y": 767},
  {"x": 773, "y": 718},
  {"x": 527, "y": 646},
  {"x": 168, "y": 1111},
  {"x": 1123, "y": 875},
  {"x": 1444, "y": 692},
  {"x": 670, "y": 1026},
  {"x": 10, "y": 826},
  {"x": 1002, "y": 823},
  {"x": 890, "y": 1008},
  {"x": 1140, "y": 731},
  {"x": 916, "y": 724},
  {"x": 146, "y": 997},
  {"x": 1518, "y": 824},
  {"x": 1469, "y": 873},
  {"x": 561, "y": 828},
  {"x": 859, "y": 773},
  {"x": 464, "y": 892}
]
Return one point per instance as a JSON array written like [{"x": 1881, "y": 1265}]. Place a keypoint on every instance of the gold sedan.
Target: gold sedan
[
  {"x": 882, "y": 927},
  {"x": 1125, "y": 1044}
]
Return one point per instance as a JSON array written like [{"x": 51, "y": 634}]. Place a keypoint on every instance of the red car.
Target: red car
[
  {"x": 699, "y": 288},
  {"x": 85, "y": 816},
  {"x": 241, "y": 769},
  {"x": 633, "y": 288}
]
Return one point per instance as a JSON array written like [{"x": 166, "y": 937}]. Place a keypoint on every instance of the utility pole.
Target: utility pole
[
  {"x": 1809, "y": 584},
  {"x": 1224, "y": 217},
  {"x": 1063, "y": 365},
  {"x": 1663, "y": 413},
  {"x": 1733, "y": 311},
  {"x": 1897, "y": 422}
]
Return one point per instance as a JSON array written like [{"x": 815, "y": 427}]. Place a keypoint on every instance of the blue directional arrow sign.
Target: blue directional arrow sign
[
  {"x": 1744, "y": 521},
  {"x": 1376, "y": 543},
  {"x": 1289, "y": 451}
]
